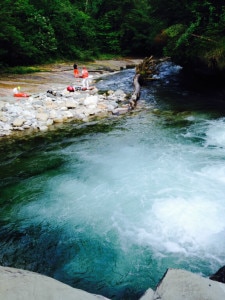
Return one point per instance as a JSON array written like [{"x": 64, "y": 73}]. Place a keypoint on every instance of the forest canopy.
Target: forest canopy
[{"x": 39, "y": 31}]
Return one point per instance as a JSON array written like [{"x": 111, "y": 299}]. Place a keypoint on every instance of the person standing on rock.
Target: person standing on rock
[
  {"x": 85, "y": 75},
  {"x": 75, "y": 71}
]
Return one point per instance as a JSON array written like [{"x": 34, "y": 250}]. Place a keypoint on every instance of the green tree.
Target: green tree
[{"x": 26, "y": 36}]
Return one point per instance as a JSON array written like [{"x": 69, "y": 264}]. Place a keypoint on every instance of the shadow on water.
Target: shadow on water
[{"x": 23, "y": 157}]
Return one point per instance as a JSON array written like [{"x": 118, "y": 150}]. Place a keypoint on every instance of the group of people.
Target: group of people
[{"x": 84, "y": 75}]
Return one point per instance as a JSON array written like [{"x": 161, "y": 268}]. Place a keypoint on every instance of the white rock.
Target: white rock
[
  {"x": 49, "y": 122},
  {"x": 148, "y": 295},
  {"x": 42, "y": 116},
  {"x": 26, "y": 126},
  {"x": 71, "y": 103},
  {"x": 18, "y": 284},
  {"x": 58, "y": 119},
  {"x": 7, "y": 127},
  {"x": 4, "y": 119},
  {"x": 43, "y": 128},
  {"x": 181, "y": 284},
  {"x": 28, "y": 123},
  {"x": 91, "y": 100},
  {"x": 68, "y": 114},
  {"x": 18, "y": 128},
  {"x": 53, "y": 114},
  {"x": 18, "y": 122},
  {"x": 63, "y": 108}
]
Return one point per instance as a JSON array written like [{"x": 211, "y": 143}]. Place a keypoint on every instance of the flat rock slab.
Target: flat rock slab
[
  {"x": 184, "y": 285},
  {"x": 18, "y": 284}
]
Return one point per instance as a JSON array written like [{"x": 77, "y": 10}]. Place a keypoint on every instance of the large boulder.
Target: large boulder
[
  {"x": 179, "y": 284},
  {"x": 16, "y": 284}
]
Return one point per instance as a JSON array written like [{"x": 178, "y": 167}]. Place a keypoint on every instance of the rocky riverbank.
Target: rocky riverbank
[{"x": 41, "y": 111}]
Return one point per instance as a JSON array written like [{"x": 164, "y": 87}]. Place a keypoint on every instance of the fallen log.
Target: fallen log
[
  {"x": 144, "y": 72},
  {"x": 136, "y": 94},
  {"x": 148, "y": 67}
]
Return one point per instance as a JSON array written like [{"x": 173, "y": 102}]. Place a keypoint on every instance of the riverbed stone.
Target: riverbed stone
[
  {"x": 18, "y": 122},
  {"x": 71, "y": 103},
  {"x": 58, "y": 119},
  {"x": 68, "y": 114},
  {"x": 52, "y": 114},
  {"x": 43, "y": 128},
  {"x": 57, "y": 106},
  {"x": 18, "y": 128},
  {"x": 42, "y": 116},
  {"x": 3, "y": 118},
  {"x": 49, "y": 122},
  {"x": 91, "y": 101}
]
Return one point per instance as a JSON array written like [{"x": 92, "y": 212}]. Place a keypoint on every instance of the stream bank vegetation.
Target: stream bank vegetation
[{"x": 190, "y": 32}]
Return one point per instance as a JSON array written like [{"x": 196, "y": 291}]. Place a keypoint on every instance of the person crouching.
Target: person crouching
[{"x": 85, "y": 76}]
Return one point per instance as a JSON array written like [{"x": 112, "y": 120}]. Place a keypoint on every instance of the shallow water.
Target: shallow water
[{"x": 108, "y": 207}]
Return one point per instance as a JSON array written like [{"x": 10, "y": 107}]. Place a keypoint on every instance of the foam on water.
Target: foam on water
[
  {"x": 126, "y": 205},
  {"x": 216, "y": 133},
  {"x": 141, "y": 189}
]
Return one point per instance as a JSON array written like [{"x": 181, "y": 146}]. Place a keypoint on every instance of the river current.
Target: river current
[{"x": 109, "y": 206}]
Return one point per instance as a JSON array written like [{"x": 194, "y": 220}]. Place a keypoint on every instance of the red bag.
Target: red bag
[{"x": 70, "y": 89}]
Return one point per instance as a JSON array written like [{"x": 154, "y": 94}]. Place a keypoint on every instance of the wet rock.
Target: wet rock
[{"x": 219, "y": 275}]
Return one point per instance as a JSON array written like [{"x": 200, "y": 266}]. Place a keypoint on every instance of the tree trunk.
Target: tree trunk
[
  {"x": 144, "y": 72},
  {"x": 136, "y": 94}
]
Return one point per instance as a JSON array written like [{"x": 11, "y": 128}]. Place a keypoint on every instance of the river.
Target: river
[{"x": 109, "y": 206}]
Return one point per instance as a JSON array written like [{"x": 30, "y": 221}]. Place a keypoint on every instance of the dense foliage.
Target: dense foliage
[{"x": 37, "y": 31}]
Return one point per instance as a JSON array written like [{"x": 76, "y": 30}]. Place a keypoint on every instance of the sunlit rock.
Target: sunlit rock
[
  {"x": 20, "y": 284},
  {"x": 181, "y": 284},
  {"x": 18, "y": 122},
  {"x": 91, "y": 100},
  {"x": 42, "y": 116}
]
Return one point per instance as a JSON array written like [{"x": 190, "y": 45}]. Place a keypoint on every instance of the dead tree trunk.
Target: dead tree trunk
[
  {"x": 145, "y": 71},
  {"x": 148, "y": 68}
]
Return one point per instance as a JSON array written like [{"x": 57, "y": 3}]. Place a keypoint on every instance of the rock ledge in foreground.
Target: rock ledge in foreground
[
  {"x": 183, "y": 285},
  {"x": 16, "y": 284}
]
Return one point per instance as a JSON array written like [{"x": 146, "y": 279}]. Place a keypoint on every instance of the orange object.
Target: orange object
[
  {"x": 84, "y": 73},
  {"x": 21, "y": 95},
  {"x": 76, "y": 73}
]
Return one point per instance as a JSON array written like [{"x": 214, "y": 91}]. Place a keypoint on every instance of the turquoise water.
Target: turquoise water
[{"x": 108, "y": 207}]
